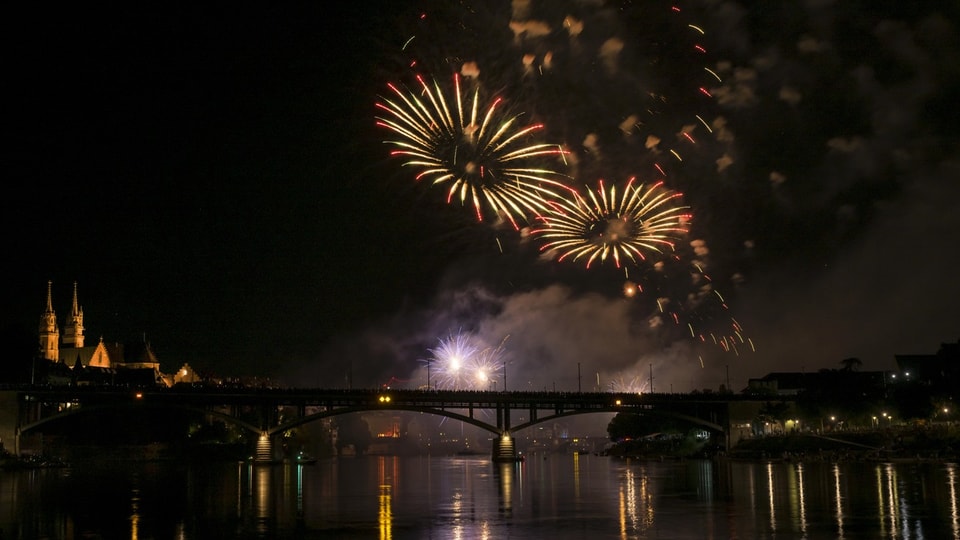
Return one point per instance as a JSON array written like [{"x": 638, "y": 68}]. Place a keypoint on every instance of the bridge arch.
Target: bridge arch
[
  {"x": 346, "y": 410},
  {"x": 92, "y": 409},
  {"x": 286, "y": 426},
  {"x": 484, "y": 425},
  {"x": 666, "y": 414},
  {"x": 708, "y": 412}
]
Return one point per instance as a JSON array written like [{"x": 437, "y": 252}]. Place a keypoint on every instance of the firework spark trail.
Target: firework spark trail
[
  {"x": 483, "y": 158},
  {"x": 607, "y": 226}
]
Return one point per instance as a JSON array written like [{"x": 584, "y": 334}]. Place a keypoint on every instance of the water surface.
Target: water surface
[{"x": 557, "y": 496}]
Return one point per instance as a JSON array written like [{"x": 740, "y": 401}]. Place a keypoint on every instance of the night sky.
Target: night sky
[{"x": 216, "y": 183}]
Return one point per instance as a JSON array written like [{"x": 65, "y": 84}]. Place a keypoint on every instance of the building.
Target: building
[
  {"x": 792, "y": 383},
  {"x": 69, "y": 360},
  {"x": 936, "y": 371}
]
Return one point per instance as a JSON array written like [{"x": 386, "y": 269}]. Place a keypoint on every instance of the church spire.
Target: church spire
[
  {"x": 73, "y": 333},
  {"x": 49, "y": 332}
]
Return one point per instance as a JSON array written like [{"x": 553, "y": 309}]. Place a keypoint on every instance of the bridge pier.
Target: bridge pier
[
  {"x": 503, "y": 417},
  {"x": 504, "y": 450},
  {"x": 264, "y": 452}
]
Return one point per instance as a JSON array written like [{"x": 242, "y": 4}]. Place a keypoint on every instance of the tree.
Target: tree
[
  {"x": 624, "y": 426},
  {"x": 352, "y": 430},
  {"x": 851, "y": 364},
  {"x": 774, "y": 413},
  {"x": 633, "y": 426}
]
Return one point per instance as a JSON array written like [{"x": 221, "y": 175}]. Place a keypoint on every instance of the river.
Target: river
[{"x": 555, "y": 496}]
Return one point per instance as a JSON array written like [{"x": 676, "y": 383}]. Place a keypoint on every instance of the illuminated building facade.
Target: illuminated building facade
[{"x": 71, "y": 361}]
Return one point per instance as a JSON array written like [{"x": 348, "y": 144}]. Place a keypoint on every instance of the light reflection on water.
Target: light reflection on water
[
  {"x": 556, "y": 496},
  {"x": 838, "y": 500},
  {"x": 952, "y": 486}
]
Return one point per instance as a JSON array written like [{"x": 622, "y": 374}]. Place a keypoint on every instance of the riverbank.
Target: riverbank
[
  {"x": 904, "y": 443},
  {"x": 11, "y": 463},
  {"x": 908, "y": 443}
]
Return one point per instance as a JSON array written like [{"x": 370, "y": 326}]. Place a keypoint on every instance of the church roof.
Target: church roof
[
  {"x": 84, "y": 354},
  {"x": 139, "y": 353}
]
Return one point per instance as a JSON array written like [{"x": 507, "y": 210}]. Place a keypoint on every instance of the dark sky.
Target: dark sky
[{"x": 214, "y": 180}]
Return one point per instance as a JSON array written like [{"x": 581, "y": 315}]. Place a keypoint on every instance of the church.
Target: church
[{"x": 66, "y": 359}]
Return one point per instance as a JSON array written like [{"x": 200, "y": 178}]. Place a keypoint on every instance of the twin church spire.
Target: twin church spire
[
  {"x": 50, "y": 331},
  {"x": 73, "y": 332}
]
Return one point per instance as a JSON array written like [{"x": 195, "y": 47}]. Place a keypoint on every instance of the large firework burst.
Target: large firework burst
[
  {"x": 628, "y": 226},
  {"x": 484, "y": 159}
]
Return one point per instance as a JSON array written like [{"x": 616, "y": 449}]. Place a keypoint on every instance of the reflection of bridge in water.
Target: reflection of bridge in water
[{"x": 718, "y": 413}]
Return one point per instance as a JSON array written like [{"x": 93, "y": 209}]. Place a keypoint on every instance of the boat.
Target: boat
[{"x": 304, "y": 459}]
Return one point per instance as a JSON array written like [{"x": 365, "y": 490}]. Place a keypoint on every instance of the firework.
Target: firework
[
  {"x": 484, "y": 159},
  {"x": 678, "y": 298},
  {"x": 458, "y": 364},
  {"x": 628, "y": 385},
  {"x": 627, "y": 227},
  {"x": 621, "y": 80},
  {"x": 625, "y": 88}
]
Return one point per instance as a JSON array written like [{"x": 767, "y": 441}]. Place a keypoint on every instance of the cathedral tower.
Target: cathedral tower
[
  {"x": 73, "y": 331},
  {"x": 49, "y": 332}
]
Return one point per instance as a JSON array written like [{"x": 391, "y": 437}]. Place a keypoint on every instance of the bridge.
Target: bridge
[{"x": 717, "y": 413}]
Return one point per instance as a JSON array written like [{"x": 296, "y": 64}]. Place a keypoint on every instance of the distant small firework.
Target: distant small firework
[
  {"x": 627, "y": 227},
  {"x": 458, "y": 364},
  {"x": 483, "y": 158},
  {"x": 447, "y": 362},
  {"x": 628, "y": 385}
]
